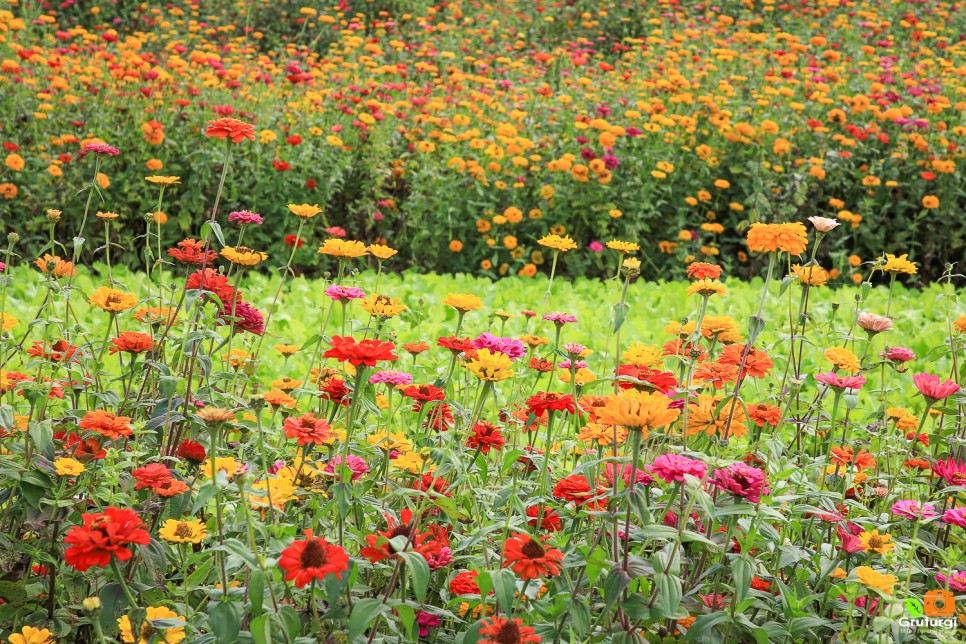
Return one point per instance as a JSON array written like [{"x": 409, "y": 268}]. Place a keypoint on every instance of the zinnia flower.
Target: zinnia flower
[
  {"x": 743, "y": 481},
  {"x": 106, "y": 423},
  {"x": 877, "y": 580},
  {"x": 230, "y": 128},
  {"x": 497, "y": 630},
  {"x": 529, "y": 559},
  {"x": 307, "y": 429},
  {"x": 112, "y": 300},
  {"x": 366, "y": 352},
  {"x": 148, "y": 633},
  {"x": 103, "y": 535},
  {"x": 673, "y": 467},
  {"x": 913, "y": 509},
  {"x": 932, "y": 389},
  {"x": 312, "y": 558},
  {"x": 183, "y": 530},
  {"x": 841, "y": 382}
]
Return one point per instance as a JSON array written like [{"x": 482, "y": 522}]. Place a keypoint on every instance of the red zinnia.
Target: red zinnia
[
  {"x": 312, "y": 558},
  {"x": 529, "y": 559},
  {"x": 212, "y": 281},
  {"x": 106, "y": 423},
  {"x": 543, "y": 366},
  {"x": 498, "y": 630},
  {"x": 379, "y": 544},
  {"x": 366, "y": 352},
  {"x": 57, "y": 351},
  {"x": 663, "y": 381},
  {"x": 307, "y": 429},
  {"x": 131, "y": 342},
  {"x": 294, "y": 240},
  {"x": 190, "y": 251},
  {"x": 104, "y": 534},
  {"x": 154, "y": 476},
  {"x": 231, "y": 128},
  {"x": 485, "y": 436},
  {"x": 550, "y": 520},
  {"x": 465, "y": 583},
  {"x": 549, "y": 401},
  {"x": 425, "y": 393},
  {"x": 574, "y": 488},
  {"x": 334, "y": 389},
  {"x": 454, "y": 344},
  {"x": 192, "y": 451}
]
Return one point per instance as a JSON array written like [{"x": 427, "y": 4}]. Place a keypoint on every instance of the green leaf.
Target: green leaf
[
  {"x": 363, "y": 613},
  {"x": 703, "y": 624},
  {"x": 224, "y": 618},
  {"x": 261, "y": 629},
  {"x": 504, "y": 586},
  {"x": 742, "y": 570},
  {"x": 256, "y": 591},
  {"x": 668, "y": 595},
  {"x": 418, "y": 572}
]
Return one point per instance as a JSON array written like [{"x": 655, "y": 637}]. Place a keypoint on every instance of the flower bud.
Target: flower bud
[
  {"x": 631, "y": 267},
  {"x": 53, "y": 216},
  {"x": 91, "y": 604},
  {"x": 13, "y": 238}
]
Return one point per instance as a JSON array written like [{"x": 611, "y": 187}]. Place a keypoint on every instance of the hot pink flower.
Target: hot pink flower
[
  {"x": 930, "y": 386},
  {"x": 673, "y": 467},
  {"x": 850, "y": 542},
  {"x": 102, "y": 148},
  {"x": 559, "y": 318},
  {"x": 508, "y": 346},
  {"x": 345, "y": 293},
  {"x": 913, "y": 509},
  {"x": 951, "y": 471},
  {"x": 898, "y": 354},
  {"x": 643, "y": 475},
  {"x": 956, "y": 516},
  {"x": 396, "y": 378},
  {"x": 840, "y": 382},
  {"x": 245, "y": 217},
  {"x": 957, "y": 581},
  {"x": 742, "y": 480},
  {"x": 355, "y": 463}
]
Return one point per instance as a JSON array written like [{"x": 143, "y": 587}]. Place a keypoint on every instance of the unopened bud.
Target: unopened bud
[
  {"x": 13, "y": 238},
  {"x": 53, "y": 216},
  {"x": 91, "y": 604}
]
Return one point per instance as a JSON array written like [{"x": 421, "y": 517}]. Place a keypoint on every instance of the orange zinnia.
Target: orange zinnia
[
  {"x": 132, "y": 342},
  {"x": 770, "y": 238},
  {"x": 228, "y": 127},
  {"x": 106, "y": 424}
]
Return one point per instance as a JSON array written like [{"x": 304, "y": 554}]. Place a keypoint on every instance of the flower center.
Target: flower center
[
  {"x": 533, "y": 550},
  {"x": 509, "y": 633},
  {"x": 875, "y": 542},
  {"x": 183, "y": 530},
  {"x": 313, "y": 555},
  {"x": 147, "y": 631}
]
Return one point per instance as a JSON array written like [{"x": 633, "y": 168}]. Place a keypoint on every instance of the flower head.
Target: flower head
[
  {"x": 558, "y": 243},
  {"x": 673, "y": 467},
  {"x": 304, "y": 211},
  {"x": 229, "y": 128},
  {"x": 530, "y": 559},
  {"x": 112, "y": 300},
  {"x": 103, "y": 535},
  {"x": 312, "y": 558},
  {"x": 932, "y": 389}
]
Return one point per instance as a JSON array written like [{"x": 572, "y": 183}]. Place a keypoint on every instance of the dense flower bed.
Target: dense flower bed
[
  {"x": 194, "y": 453},
  {"x": 460, "y": 132}
]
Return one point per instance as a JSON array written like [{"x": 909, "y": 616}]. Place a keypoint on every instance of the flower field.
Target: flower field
[
  {"x": 671, "y": 122},
  {"x": 715, "y": 396}
]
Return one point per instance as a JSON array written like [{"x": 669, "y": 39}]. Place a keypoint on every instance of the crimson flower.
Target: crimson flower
[
  {"x": 192, "y": 451},
  {"x": 103, "y": 535},
  {"x": 154, "y": 475},
  {"x": 743, "y": 481},
  {"x": 663, "y": 381},
  {"x": 951, "y": 471},
  {"x": 312, "y": 558},
  {"x": 549, "y": 401},
  {"x": 454, "y": 344},
  {"x": 58, "y": 351},
  {"x": 424, "y": 393},
  {"x": 366, "y": 352},
  {"x": 485, "y": 436},
  {"x": 550, "y": 520},
  {"x": 464, "y": 583},
  {"x": 379, "y": 545}
]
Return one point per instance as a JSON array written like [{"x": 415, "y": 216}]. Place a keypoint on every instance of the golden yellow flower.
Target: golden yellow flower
[
  {"x": 504, "y": 315},
  {"x": 558, "y": 243},
  {"x": 112, "y": 300},
  {"x": 287, "y": 384},
  {"x": 148, "y": 633},
  {"x": 390, "y": 442},
  {"x": 191, "y": 530},
  {"x": 68, "y": 467},
  {"x": 872, "y": 579},
  {"x": 463, "y": 302},
  {"x": 7, "y": 322},
  {"x": 722, "y": 327},
  {"x": 287, "y": 349},
  {"x": 641, "y": 410},
  {"x": 708, "y": 287},
  {"x": 31, "y": 635},
  {"x": 60, "y": 267},
  {"x": 623, "y": 246},
  {"x": 900, "y": 264},
  {"x": 704, "y": 416},
  {"x": 342, "y": 249},
  {"x": 581, "y": 377},
  {"x": 381, "y": 251},
  {"x": 877, "y": 543},
  {"x": 243, "y": 256},
  {"x": 533, "y": 341},
  {"x": 305, "y": 211},
  {"x": 490, "y": 367},
  {"x": 382, "y": 305},
  {"x": 228, "y": 465},
  {"x": 163, "y": 181},
  {"x": 643, "y": 355},
  {"x": 812, "y": 275},
  {"x": 278, "y": 398},
  {"x": 843, "y": 359},
  {"x": 237, "y": 359},
  {"x": 603, "y": 435},
  {"x": 280, "y": 488},
  {"x": 107, "y": 215},
  {"x": 413, "y": 463}
]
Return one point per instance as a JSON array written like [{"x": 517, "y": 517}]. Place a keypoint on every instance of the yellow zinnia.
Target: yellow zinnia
[
  {"x": 342, "y": 249},
  {"x": 163, "y": 181},
  {"x": 641, "y": 410},
  {"x": 305, "y": 211},
  {"x": 558, "y": 243},
  {"x": 112, "y": 300},
  {"x": 381, "y": 251},
  {"x": 382, "y": 306},
  {"x": 490, "y": 367},
  {"x": 183, "y": 531},
  {"x": 148, "y": 633},
  {"x": 243, "y": 256},
  {"x": 877, "y": 580},
  {"x": 463, "y": 302}
]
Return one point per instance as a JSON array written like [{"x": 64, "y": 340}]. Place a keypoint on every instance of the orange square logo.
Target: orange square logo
[{"x": 939, "y": 603}]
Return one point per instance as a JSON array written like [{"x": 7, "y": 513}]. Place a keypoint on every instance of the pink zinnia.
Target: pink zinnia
[
  {"x": 913, "y": 509},
  {"x": 898, "y": 354},
  {"x": 102, "y": 148},
  {"x": 874, "y": 323},
  {"x": 643, "y": 475},
  {"x": 395, "y": 378},
  {"x": 850, "y": 541},
  {"x": 930, "y": 386},
  {"x": 244, "y": 217},
  {"x": 957, "y": 581},
  {"x": 336, "y": 231},
  {"x": 673, "y": 467},
  {"x": 345, "y": 293},
  {"x": 951, "y": 471},
  {"x": 559, "y": 318},
  {"x": 355, "y": 463},
  {"x": 840, "y": 382},
  {"x": 596, "y": 246},
  {"x": 575, "y": 349},
  {"x": 508, "y": 346},
  {"x": 248, "y": 318},
  {"x": 567, "y": 364},
  {"x": 956, "y": 516},
  {"x": 742, "y": 480}
]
